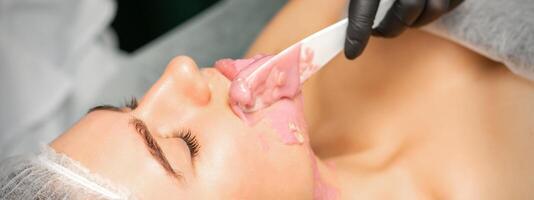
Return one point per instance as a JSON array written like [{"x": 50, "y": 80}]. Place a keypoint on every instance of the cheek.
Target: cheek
[
  {"x": 240, "y": 165},
  {"x": 289, "y": 170}
]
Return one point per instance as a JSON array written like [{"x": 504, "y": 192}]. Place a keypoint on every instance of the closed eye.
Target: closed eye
[{"x": 191, "y": 141}]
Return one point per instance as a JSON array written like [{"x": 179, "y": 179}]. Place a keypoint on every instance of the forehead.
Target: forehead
[
  {"x": 99, "y": 138},
  {"x": 108, "y": 131},
  {"x": 106, "y": 144}
]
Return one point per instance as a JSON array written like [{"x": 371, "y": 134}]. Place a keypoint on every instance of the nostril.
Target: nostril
[{"x": 200, "y": 93}]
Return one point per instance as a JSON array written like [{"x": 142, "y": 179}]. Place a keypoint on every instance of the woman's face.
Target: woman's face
[{"x": 148, "y": 149}]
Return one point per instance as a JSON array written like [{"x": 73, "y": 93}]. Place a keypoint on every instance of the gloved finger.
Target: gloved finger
[
  {"x": 361, "y": 16},
  {"x": 403, "y": 13},
  {"x": 433, "y": 10}
]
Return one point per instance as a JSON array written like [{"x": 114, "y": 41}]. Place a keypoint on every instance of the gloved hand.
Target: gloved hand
[{"x": 403, "y": 14}]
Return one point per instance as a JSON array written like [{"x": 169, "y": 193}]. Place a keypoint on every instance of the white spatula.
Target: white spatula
[
  {"x": 315, "y": 51},
  {"x": 324, "y": 45}
]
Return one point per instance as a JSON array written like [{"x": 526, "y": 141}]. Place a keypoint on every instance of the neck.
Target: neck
[
  {"x": 406, "y": 89},
  {"x": 411, "y": 100}
]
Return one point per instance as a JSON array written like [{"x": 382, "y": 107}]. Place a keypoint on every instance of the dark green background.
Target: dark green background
[{"x": 139, "y": 21}]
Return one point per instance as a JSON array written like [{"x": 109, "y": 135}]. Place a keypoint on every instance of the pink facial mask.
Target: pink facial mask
[
  {"x": 277, "y": 90},
  {"x": 254, "y": 88}
]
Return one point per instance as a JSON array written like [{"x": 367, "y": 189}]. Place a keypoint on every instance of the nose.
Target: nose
[{"x": 179, "y": 91}]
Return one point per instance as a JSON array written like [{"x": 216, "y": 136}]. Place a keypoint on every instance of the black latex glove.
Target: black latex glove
[{"x": 403, "y": 14}]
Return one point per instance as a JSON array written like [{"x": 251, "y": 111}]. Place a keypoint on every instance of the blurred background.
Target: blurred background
[
  {"x": 138, "y": 22},
  {"x": 60, "y": 57}
]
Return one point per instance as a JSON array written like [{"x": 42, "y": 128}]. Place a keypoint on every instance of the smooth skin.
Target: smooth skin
[
  {"x": 447, "y": 124},
  {"x": 415, "y": 117},
  {"x": 235, "y": 161}
]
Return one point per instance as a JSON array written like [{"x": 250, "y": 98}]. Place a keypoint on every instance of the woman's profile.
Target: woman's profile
[{"x": 416, "y": 117}]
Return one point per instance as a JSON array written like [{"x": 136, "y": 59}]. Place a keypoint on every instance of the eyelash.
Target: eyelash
[
  {"x": 185, "y": 135},
  {"x": 132, "y": 103},
  {"x": 191, "y": 142}
]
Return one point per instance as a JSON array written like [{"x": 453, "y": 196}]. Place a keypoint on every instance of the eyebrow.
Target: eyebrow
[{"x": 152, "y": 145}]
